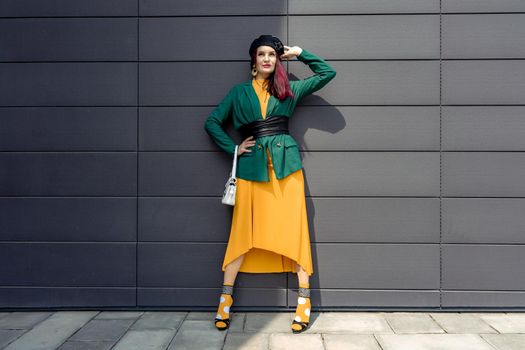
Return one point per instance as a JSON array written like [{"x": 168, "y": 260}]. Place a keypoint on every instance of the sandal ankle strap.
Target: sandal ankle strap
[
  {"x": 304, "y": 292},
  {"x": 227, "y": 289}
]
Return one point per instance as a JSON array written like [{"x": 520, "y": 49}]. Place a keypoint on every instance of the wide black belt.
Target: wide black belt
[{"x": 272, "y": 125}]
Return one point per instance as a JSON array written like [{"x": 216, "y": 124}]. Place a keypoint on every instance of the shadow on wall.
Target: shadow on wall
[{"x": 331, "y": 121}]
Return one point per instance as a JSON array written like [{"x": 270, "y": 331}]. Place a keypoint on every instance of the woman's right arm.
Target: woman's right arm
[{"x": 217, "y": 117}]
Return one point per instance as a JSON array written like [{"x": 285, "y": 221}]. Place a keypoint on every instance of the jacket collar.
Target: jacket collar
[{"x": 254, "y": 100}]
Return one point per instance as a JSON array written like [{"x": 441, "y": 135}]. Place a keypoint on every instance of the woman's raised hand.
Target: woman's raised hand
[
  {"x": 290, "y": 52},
  {"x": 243, "y": 147}
]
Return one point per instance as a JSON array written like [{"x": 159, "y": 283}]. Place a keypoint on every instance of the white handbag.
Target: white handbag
[{"x": 228, "y": 197}]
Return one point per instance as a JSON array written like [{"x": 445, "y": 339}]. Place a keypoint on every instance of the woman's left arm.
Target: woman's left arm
[{"x": 323, "y": 74}]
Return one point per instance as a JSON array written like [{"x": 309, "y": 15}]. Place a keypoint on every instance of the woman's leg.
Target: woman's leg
[
  {"x": 231, "y": 270},
  {"x": 302, "y": 313},
  {"x": 226, "y": 300},
  {"x": 302, "y": 275}
]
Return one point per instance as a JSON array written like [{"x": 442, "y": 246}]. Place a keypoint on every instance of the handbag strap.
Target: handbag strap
[{"x": 234, "y": 167}]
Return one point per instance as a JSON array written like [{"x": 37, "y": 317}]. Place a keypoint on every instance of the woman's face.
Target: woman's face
[{"x": 266, "y": 58}]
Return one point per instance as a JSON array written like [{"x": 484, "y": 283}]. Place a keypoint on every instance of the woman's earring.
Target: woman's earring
[{"x": 254, "y": 71}]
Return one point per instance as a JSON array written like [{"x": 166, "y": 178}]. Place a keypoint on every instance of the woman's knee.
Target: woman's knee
[
  {"x": 240, "y": 258},
  {"x": 235, "y": 262}
]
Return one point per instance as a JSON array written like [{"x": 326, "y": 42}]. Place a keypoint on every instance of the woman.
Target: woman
[{"x": 269, "y": 231}]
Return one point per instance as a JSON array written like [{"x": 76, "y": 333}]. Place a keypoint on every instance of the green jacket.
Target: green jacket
[{"x": 242, "y": 104}]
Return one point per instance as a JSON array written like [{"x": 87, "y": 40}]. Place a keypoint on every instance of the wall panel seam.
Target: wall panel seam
[
  {"x": 137, "y": 59},
  {"x": 440, "y": 165}
]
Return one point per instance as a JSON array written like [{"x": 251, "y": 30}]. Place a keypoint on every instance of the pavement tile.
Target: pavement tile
[
  {"x": 500, "y": 313},
  {"x": 103, "y": 330},
  {"x": 301, "y": 341},
  {"x": 456, "y": 322},
  {"x": 112, "y": 315},
  {"x": 53, "y": 331},
  {"x": 145, "y": 339},
  {"x": 160, "y": 320},
  {"x": 506, "y": 323},
  {"x": 432, "y": 342},
  {"x": 505, "y": 341},
  {"x": 246, "y": 341},
  {"x": 264, "y": 322},
  {"x": 23, "y": 319},
  {"x": 87, "y": 345},
  {"x": 198, "y": 334},
  {"x": 237, "y": 322},
  {"x": 8, "y": 335},
  {"x": 412, "y": 322},
  {"x": 199, "y": 315},
  {"x": 348, "y": 322},
  {"x": 350, "y": 342}
]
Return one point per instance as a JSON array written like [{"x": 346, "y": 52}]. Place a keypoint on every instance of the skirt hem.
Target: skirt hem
[{"x": 293, "y": 270}]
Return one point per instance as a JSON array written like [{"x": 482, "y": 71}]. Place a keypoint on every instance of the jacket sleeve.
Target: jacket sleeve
[
  {"x": 217, "y": 117},
  {"x": 323, "y": 74}
]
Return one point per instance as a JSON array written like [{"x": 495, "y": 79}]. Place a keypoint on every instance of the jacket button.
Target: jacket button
[
  {"x": 259, "y": 146},
  {"x": 278, "y": 144}
]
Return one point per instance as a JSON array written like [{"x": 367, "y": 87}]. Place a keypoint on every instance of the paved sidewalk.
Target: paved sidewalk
[{"x": 94, "y": 330}]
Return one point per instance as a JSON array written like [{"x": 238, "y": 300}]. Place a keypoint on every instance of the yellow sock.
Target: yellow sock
[
  {"x": 225, "y": 302},
  {"x": 302, "y": 313}
]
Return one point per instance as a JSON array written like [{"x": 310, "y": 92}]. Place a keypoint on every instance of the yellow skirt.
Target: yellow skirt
[{"x": 270, "y": 225}]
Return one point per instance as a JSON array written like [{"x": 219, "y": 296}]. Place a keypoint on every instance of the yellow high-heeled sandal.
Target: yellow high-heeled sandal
[
  {"x": 303, "y": 308},
  {"x": 225, "y": 303}
]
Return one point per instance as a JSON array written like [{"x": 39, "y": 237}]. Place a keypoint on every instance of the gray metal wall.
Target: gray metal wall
[{"x": 414, "y": 154}]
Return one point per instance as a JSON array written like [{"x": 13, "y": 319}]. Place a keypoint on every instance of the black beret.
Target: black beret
[{"x": 267, "y": 40}]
